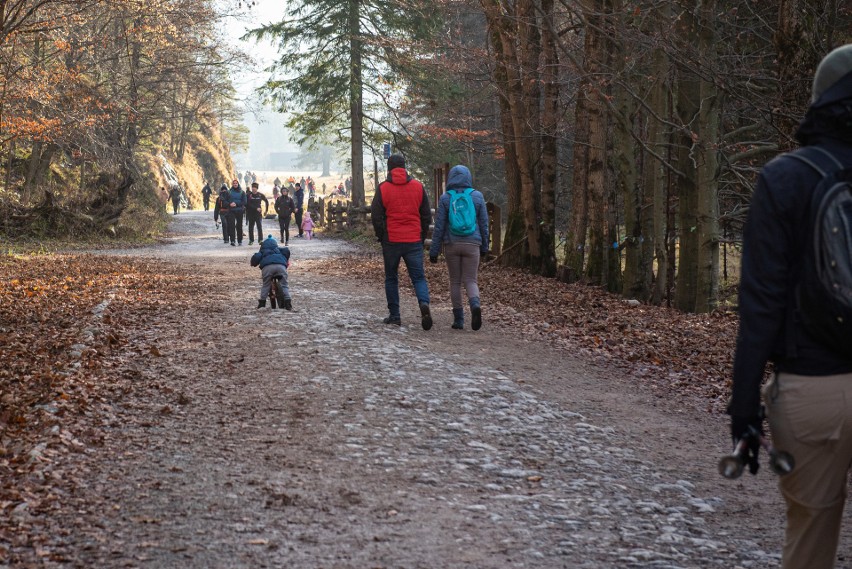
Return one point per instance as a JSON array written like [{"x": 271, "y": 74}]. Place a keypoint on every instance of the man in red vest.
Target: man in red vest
[{"x": 401, "y": 219}]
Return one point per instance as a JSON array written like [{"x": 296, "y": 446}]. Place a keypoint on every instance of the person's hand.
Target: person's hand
[
  {"x": 432, "y": 259},
  {"x": 233, "y": 204},
  {"x": 749, "y": 428}
]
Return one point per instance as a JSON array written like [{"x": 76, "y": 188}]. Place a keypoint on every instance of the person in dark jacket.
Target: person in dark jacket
[
  {"x": 206, "y": 192},
  {"x": 401, "y": 219},
  {"x": 299, "y": 200},
  {"x": 174, "y": 195},
  {"x": 273, "y": 262},
  {"x": 220, "y": 213},
  {"x": 462, "y": 252},
  {"x": 809, "y": 398},
  {"x": 255, "y": 212},
  {"x": 236, "y": 209},
  {"x": 284, "y": 207}
]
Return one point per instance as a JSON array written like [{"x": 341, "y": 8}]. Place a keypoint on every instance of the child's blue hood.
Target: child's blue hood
[
  {"x": 459, "y": 177},
  {"x": 269, "y": 243}
]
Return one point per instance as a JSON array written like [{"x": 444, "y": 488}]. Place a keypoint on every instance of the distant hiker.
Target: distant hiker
[
  {"x": 236, "y": 209},
  {"x": 206, "y": 192},
  {"x": 273, "y": 262},
  {"x": 221, "y": 211},
  {"x": 284, "y": 207},
  {"x": 299, "y": 200},
  {"x": 254, "y": 213},
  {"x": 277, "y": 182},
  {"x": 401, "y": 219},
  {"x": 174, "y": 195},
  {"x": 461, "y": 229},
  {"x": 276, "y": 191},
  {"x": 308, "y": 226},
  {"x": 791, "y": 316}
]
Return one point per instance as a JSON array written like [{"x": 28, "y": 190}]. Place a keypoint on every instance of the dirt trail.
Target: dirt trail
[{"x": 321, "y": 438}]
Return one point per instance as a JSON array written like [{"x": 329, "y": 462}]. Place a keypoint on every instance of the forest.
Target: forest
[{"x": 621, "y": 139}]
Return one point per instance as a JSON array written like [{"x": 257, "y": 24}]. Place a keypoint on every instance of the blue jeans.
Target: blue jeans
[{"x": 412, "y": 254}]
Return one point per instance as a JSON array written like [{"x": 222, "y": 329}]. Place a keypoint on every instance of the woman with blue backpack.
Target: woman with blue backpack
[{"x": 461, "y": 229}]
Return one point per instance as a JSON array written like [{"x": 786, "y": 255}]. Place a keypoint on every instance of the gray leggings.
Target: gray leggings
[
  {"x": 463, "y": 265},
  {"x": 269, "y": 272}
]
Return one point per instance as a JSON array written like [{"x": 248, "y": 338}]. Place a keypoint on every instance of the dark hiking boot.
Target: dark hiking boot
[
  {"x": 233, "y": 244},
  {"x": 475, "y": 314},
  {"x": 261, "y": 304},
  {"x": 392, "y": 320},
  {"x": 288, "y": 304},
  {"x": 425, "y": 316},
  {"x": 458, "y": 319}
]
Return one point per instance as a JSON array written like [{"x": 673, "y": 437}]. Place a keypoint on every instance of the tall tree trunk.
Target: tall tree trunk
[
  {"x": 514, "y": 217},
  {"x": 707, "y": 282},
  {"x": 599, "y": 248},
  {"x": 356, "y": 108},
  {"x": 503, "y": 19},
  {"x": 635, "y": 282},
  {"x": 698, "y": 110},
  {"x": 575, "y": 241},
  {"x": 655, "y": 175},
  {"x": 549, "y": 146}
]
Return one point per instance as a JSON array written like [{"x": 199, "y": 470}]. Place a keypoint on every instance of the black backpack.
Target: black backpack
[{"x": 824, "y": 286}]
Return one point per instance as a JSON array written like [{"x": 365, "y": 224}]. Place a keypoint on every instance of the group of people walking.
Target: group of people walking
[{"x": 234, "y": 205}]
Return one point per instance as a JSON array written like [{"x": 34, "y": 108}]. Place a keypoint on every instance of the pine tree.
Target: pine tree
[{"x": 338, "y": 61}]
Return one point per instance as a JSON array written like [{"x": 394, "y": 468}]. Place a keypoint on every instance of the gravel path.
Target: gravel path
[{"x": 321, "y": 438}]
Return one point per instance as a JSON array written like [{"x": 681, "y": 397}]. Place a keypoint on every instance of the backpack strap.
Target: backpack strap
[{"x": 818, "y": 158}]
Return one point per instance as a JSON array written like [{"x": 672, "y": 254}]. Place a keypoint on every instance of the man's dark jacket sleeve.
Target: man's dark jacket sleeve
[
  {"x": 377, "y": 213},
  {"x": 764, "y": 292}
]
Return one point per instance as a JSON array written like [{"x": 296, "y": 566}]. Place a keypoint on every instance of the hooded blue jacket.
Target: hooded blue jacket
[
  {"x": 271, "y": 254},
  {"x": 238, "y": 197},
  {"x": 459, "y": 179},
  {"x": 773, "y": 241}
]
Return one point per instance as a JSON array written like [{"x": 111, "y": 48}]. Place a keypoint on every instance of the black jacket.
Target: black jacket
[
  {"x": 284, "y": 207},
  {"x": 253, "y": 202},
  {"x": 773, "y": 241}
]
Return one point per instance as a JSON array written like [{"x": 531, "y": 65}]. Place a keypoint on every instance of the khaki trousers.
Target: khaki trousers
[{"x": 811, "y": 418}]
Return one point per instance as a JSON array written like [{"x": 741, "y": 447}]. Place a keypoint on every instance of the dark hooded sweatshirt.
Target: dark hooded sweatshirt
[{"x": 773, "y": 242}]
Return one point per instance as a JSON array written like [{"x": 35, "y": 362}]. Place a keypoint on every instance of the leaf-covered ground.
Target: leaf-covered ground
[
  {"x": 66, "y": 320},
  {"x": 60, "y": 317}
]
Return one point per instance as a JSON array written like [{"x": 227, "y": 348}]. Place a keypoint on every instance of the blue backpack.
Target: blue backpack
[{"x": 462, "y": 212}]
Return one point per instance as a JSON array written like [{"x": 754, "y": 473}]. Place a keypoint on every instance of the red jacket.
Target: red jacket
[{"x": 400, "y": 209}]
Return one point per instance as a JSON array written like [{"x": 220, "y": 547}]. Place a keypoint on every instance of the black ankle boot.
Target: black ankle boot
[
  {"x": 425, "y": 316},
  {"x": 288, "y": 304},
  {"x": 458, "y": 318},
  {"x": 261, "y": 304},
  {"x": 475, "y": 314}
]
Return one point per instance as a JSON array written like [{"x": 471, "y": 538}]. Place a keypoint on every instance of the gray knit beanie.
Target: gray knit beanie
[{"x": 831, "y": 69}]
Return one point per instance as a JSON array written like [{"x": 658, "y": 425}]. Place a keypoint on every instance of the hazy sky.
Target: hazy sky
[{"x": 269, "y": 137}]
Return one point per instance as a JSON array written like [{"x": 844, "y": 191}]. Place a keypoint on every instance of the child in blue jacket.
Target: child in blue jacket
[{"x": 273, "y": 262}]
